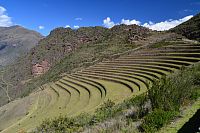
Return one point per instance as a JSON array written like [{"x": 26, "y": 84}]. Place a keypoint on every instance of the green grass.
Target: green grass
[
  {"x": 115, "y": 91},
  {"x": 95, "y": 95},
  {"x": 87, "y": 89},
  {"x": 49, "y": 105},
  {"x": 154, "y": 69},
  {"x": 138, "y": 80},
  {"x": 153, "y": 74},
  {"x": 83, "y": 101},
  {"x": 10, "y": 116},
  {"x": 161, "y": 44},
  {"x": 92, "y": 85},
  {"x": 144, "y": 76},
  {"x": 100, "y": 87},
  {"x": 123, "y": 81},
  {"x": 42, "y": 100}
]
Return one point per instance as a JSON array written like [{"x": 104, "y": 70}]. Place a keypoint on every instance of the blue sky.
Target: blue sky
[{"x": 45, "y": 15}]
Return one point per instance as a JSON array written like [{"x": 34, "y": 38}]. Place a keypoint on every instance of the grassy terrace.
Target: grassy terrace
[
  {"x": 126, "y": 82},
  {"x": 147, "y": 68},
  {"x": 99, "y": 86},
  {"x": 84, "y": 91},
  {"x": 114, "y": 92}
]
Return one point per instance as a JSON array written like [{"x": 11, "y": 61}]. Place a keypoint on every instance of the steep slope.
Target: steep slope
[
  {"x": 190, "y": 29},
  {"x": 14, "y": 41},
  {"x": 65, "y": 50},
  {"x": 123, "y": 60},
  {"x": 62, "y": 41},
  {"x": 83, "y": 91}
]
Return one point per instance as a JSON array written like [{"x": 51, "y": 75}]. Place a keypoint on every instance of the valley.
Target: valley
[
  {"x": 83, "y": 91},
  {"x": 75, "y": 79}
]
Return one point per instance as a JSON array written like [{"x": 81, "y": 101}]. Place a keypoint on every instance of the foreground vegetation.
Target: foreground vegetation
[
  {"x": 154, "y": 109},
  {"x": 169, "y": 94}
]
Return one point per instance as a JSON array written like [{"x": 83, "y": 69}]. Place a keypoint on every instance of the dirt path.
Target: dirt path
[{"x": 7, "y": 87}]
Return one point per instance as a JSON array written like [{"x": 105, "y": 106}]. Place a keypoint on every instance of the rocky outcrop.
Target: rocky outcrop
[
  {"x": 40, "y": 68},
  {"x": 62, "y": 41}
]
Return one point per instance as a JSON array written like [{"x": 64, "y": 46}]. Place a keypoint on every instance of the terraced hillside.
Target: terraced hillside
[
  {"x": 83, "y": 91},
  {"x": 65, "y": 50}
]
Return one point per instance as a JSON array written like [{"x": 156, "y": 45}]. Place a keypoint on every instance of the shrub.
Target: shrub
[
  {"x": 104, "y": 112},
  {"x": 83, "y": 119},
  {"x": 170, "y": 92},
  {"x": 196, "y": 78},
  {"x": 156, "y": 119},
  {"x": 134, "y": 101},
  {"x": 195, "y": 93}
]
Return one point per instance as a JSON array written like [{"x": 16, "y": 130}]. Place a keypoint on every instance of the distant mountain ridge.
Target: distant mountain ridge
[{"x": 14, "y": 41}]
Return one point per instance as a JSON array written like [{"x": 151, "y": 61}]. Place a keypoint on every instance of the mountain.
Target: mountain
[
  {"x": 63, "y": 51},
  {"x": 63, "y": 41},
  {"x": 74, "y": 71},
  {"x": 190, "y": 28},
  {"x": 81, "y": 69},
  {"x": 14, "y": 41}
]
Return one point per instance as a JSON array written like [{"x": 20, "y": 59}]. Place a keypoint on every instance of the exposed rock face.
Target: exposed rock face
[{"x": 39, "y": 69}]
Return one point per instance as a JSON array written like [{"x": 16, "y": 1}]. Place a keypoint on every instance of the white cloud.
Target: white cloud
[
  {"x": 41, "y": 27},
  {"x": 108, "y": 23},
  {"x": 130, "y": 22},
  {"x": 166, "y": 25},
  {"x": 2, "y": 10},
  {"x": 78, "y": 19},
  {"x": 5, "y": 20},
  {"x": 160, "y": 26},
  {"x": 76, "y": 26},
  {"x": 67, "y": 26}
]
